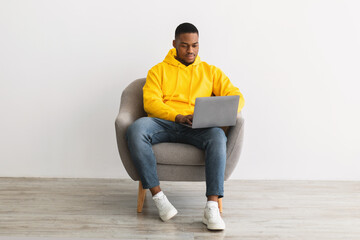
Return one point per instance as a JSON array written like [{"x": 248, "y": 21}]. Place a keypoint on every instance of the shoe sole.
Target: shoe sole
[
  {"x": 212, "y": 227},
  {"x": 170, "y": 215}
]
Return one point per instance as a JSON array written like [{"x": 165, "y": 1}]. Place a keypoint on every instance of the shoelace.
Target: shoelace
[
  {"x": 213, "y": 212},
  {"x": 161, "y": 199}
]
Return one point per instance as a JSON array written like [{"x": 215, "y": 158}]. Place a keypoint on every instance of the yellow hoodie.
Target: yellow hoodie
[{"x": 171, "y": 87}]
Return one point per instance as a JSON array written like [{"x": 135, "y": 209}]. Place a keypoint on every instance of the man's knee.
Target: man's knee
[
  {"x": 138, "y": 128},
  {"x": 216, "y": 136},
  {"x": 218, "y": 133}
]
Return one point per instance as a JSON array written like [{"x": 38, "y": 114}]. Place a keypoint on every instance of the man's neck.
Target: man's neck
[{"x": 186, "y": 64}]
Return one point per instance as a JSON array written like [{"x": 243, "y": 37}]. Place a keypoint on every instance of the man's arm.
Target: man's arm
[
  {"x": 223, "y": 87},
  {"x": 153, "y": 99}
]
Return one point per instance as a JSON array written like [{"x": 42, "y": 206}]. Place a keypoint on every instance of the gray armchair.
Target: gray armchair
[{"x": 175, "y": 161}]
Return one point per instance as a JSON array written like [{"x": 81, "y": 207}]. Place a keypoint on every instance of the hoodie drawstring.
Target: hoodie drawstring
[
  {"x": 192, "y": 76},
  {"x": 177, "y": 83}
]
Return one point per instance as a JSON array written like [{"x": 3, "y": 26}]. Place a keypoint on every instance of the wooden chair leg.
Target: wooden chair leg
[
  {"x": 141, "y": 198},
  {"x": 220, "y": 204}
]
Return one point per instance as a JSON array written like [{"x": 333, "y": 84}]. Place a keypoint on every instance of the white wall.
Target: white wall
[{"x": 64, "y": 64}]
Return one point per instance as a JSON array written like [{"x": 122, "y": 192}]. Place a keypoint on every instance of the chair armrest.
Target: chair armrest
[
  {"x": 131, "y": 108},
  {"x": 235, "y": 137},
  {"x": 122, "y": 122}
]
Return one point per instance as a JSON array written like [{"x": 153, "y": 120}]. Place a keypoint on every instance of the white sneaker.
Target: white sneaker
[
  {"x": 166, "y": 209},
  {"x": 212, "y": 218}
]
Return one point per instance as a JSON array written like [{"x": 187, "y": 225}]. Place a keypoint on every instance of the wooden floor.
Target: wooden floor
[{"x": 34, "y": 208}]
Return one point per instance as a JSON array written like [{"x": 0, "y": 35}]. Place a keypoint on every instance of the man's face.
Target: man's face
[{"x": 187, "y": 47}]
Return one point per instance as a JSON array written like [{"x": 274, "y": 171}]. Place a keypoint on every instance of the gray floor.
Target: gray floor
[{"x": 33, "y": 208}]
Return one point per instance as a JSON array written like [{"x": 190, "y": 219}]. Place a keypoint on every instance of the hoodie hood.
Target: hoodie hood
[{"x": 170, "y": 59}]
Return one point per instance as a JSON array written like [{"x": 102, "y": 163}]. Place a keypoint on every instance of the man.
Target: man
[{"x": 169, "y": 97}]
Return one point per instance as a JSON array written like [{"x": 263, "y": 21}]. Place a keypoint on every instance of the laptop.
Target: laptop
[{"x": 215, "y": 112}]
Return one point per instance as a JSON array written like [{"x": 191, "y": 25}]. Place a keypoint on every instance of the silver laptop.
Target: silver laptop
[{"x": 215, "y": 112}]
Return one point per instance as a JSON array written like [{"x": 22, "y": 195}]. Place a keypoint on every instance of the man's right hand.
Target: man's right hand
[{"x": 184, "y": 119}]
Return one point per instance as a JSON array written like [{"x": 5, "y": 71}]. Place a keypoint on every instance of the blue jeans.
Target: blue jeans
[{"x": 146, "y": 131}]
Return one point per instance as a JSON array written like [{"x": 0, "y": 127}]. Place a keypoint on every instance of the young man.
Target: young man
[{"x": 169, "y": 97}]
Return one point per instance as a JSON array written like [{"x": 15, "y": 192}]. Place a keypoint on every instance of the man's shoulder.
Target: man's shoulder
[
  {"x": 205, "y": 64},
  {"x": 209, "y": 66},
  {"x": 162, "y": 67},
  {"x": 157, "y": 66}
]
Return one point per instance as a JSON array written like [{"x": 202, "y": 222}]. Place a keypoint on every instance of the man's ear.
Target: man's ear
[{"x": 174, "y": 43}]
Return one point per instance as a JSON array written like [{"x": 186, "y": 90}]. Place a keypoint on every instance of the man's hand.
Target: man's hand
[{"x": 184, "y": 119}]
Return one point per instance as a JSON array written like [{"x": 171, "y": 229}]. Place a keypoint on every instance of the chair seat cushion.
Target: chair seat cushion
[{"x": 178, "y": 154}]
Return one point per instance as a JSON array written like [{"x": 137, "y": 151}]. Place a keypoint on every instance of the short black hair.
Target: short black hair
[{"x": 185, "y": 28}]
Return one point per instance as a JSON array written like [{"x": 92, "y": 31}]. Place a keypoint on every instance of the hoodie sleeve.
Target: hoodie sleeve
[
  {"x": 153, "y": 99},
  {"x": 223, "y": 87}
]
